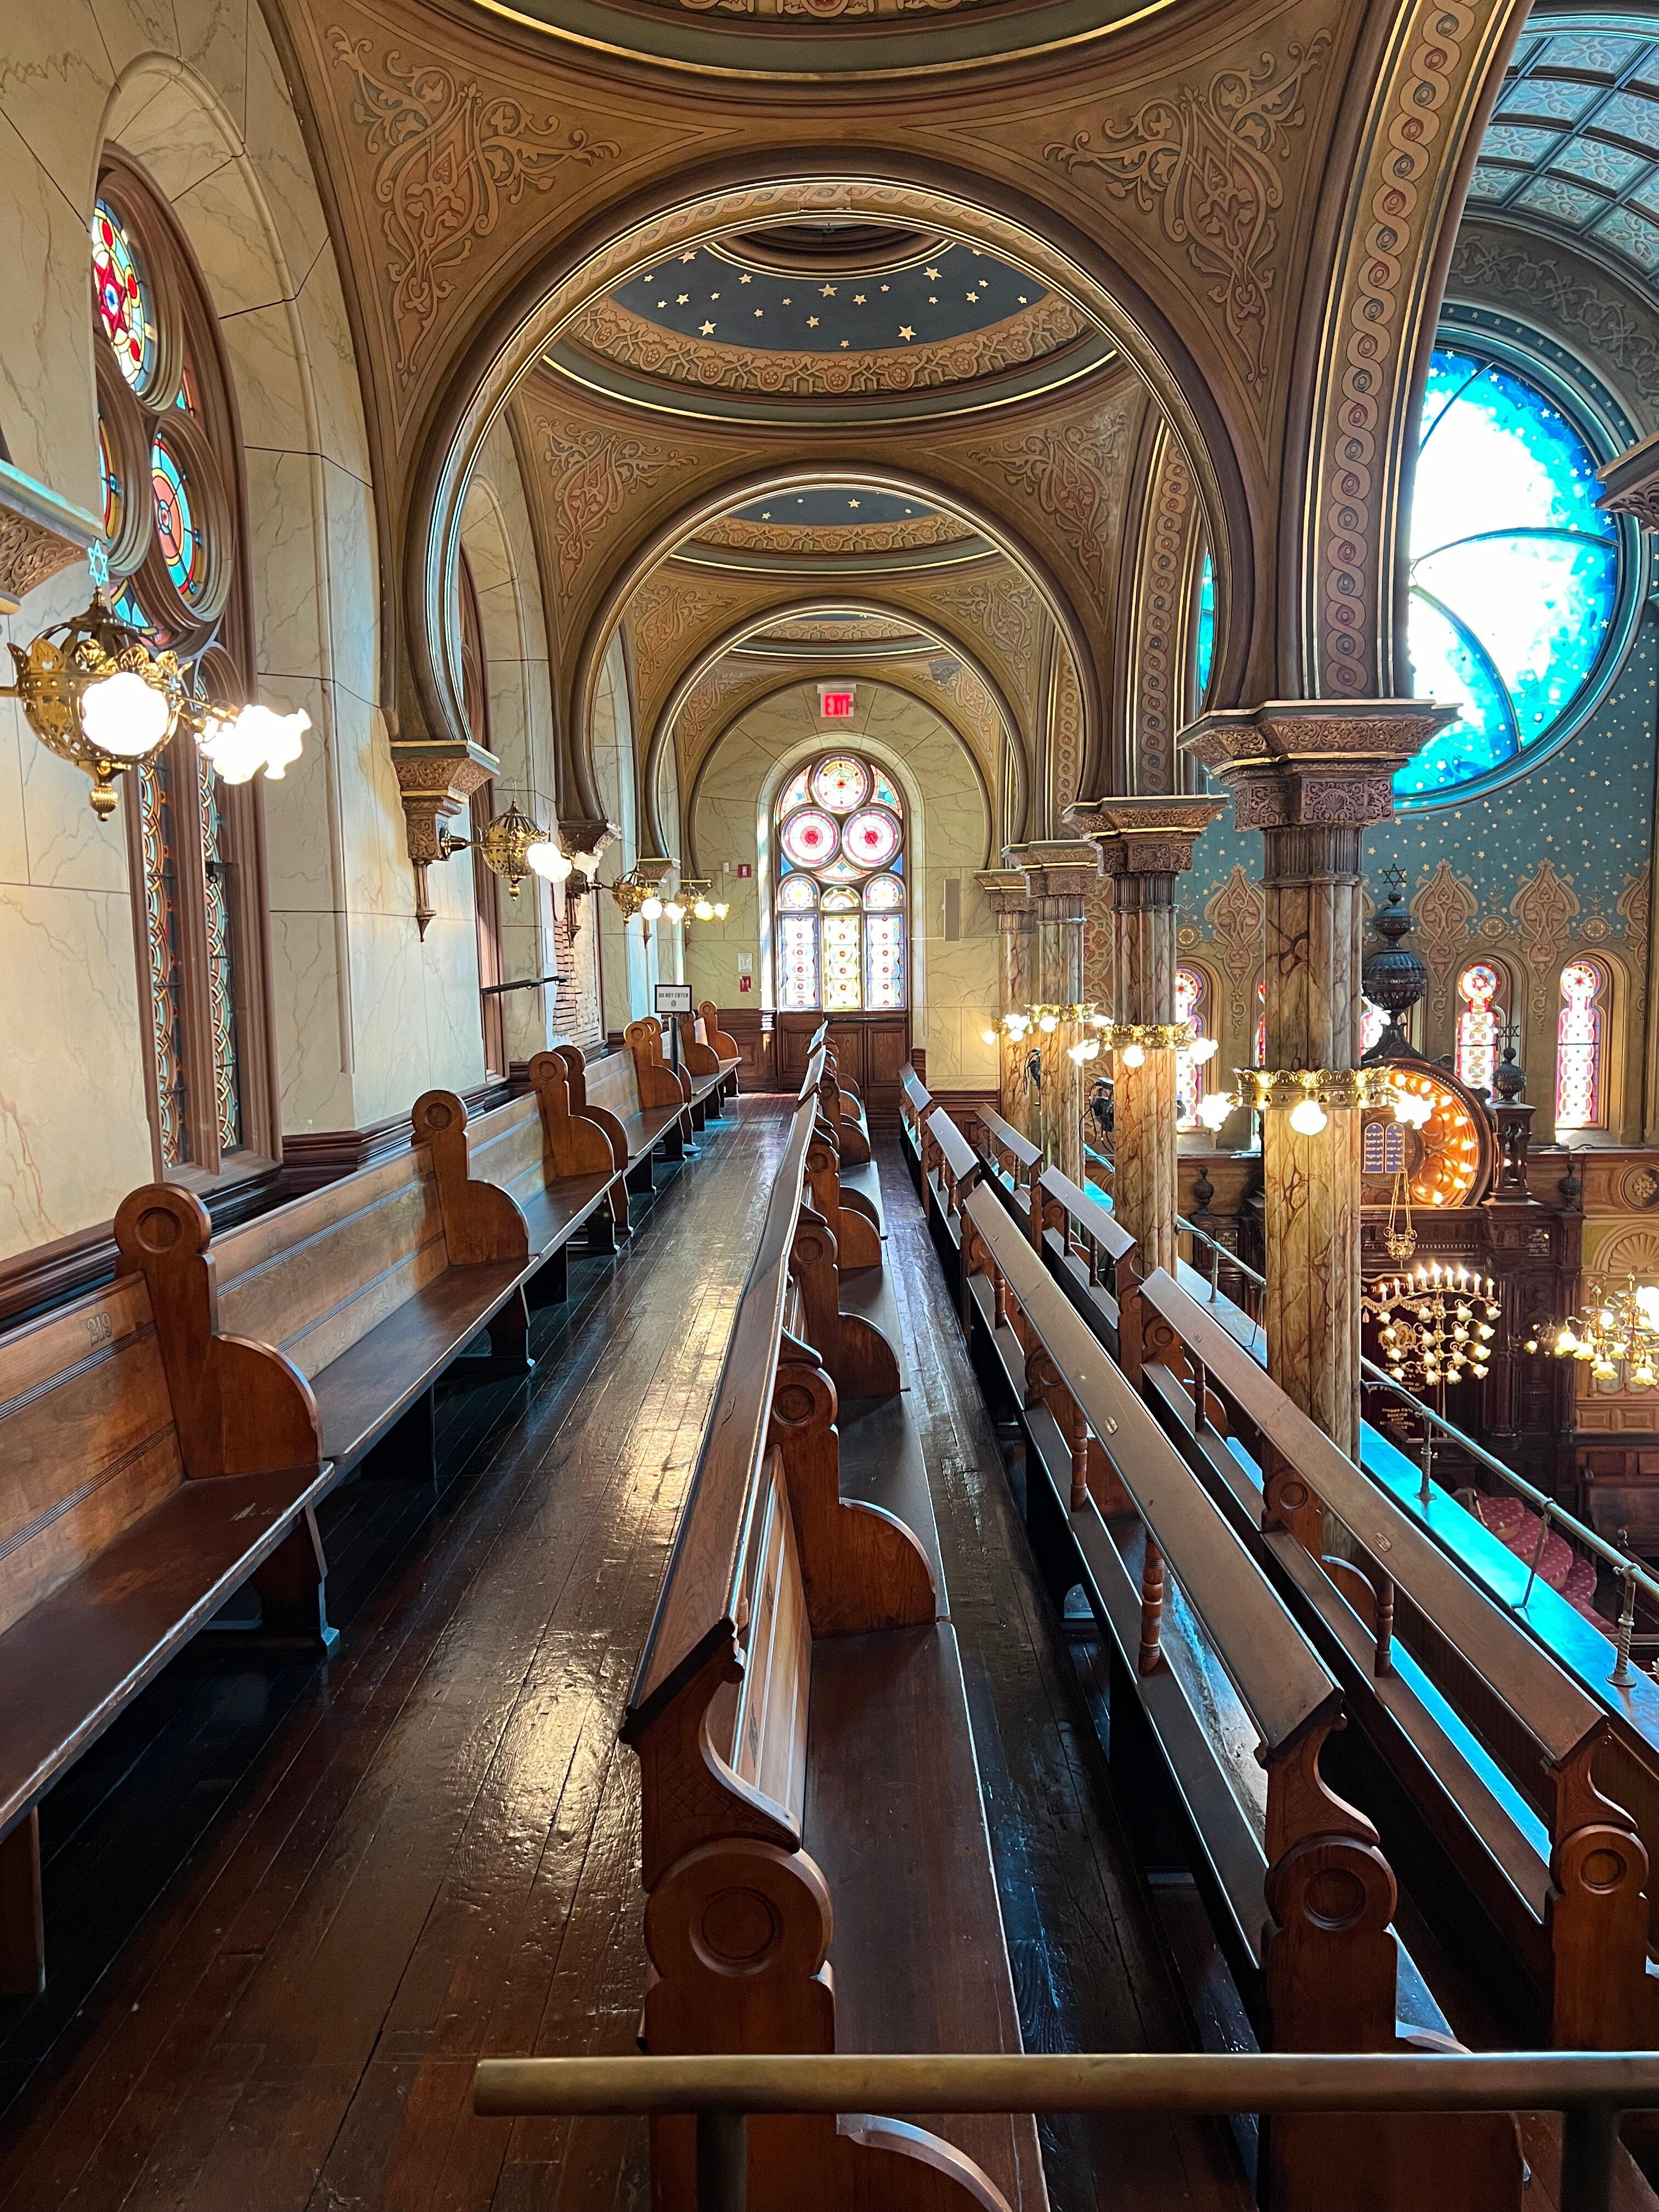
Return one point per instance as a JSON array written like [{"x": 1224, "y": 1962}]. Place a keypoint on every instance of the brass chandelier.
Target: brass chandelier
[
  {"x": 513, "y": 846},
  {"x": 93, "y": 693},
  {"x": 1617, "y": 1337},
  {"x": 1436, "y": 1323}
]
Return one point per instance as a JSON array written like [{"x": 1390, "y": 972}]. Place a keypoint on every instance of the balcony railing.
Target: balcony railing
[{"x": 1590, "y": 2090}]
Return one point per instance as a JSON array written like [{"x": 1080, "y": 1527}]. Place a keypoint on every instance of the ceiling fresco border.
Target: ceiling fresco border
[
  {"x": 674, "y": 36},
  {"x": 767, "y": 689},
  {"x": 708, "y": 656},
  {"x": 844, "y": 181}
]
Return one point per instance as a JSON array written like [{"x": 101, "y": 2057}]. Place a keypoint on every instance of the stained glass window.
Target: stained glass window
[
  {"x": 1204, "y": 631},
  {"x": 841, "y": 783},
  {"x": 1260, "y": 1039},
  {"x": 1515, "y": 573},
  {"x": 183, "y": 547},
  {"x": 1581, "y": 1047},
  {"x": 112, "y": 491},
  {"x": 1478, "y": 1019},
  {"x": 841, "y": 901},
  {"x": 125, "y": 311},
  {"x": 221, "y": 978},
  {"x": 1190, "y": 991},
  {"x": 158, "y": 818},
  {"x": 1372, "y": 1022}
]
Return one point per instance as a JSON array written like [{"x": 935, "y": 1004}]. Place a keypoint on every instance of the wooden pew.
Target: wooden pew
[
  {"x": 949, "y": 1168},
  {"x": 849, "y": 1196},
  {"x": 1090, "y": 1255},
  {"x": 372, "y": 1287},
  {"x": 1509, "y": 1763},
  {"x": 816, "y": 1866},
  {"x": 635, "y": 1099},
  {"x": 150, "y": 1467},
  {"x": 560, "y": 1169},
  {"x": 914, "y": 1105},
  {"x": 705, "y": 1048},
  {"x": 1009, "y": 1155},
  {"x": 1300, "y": 1895}
]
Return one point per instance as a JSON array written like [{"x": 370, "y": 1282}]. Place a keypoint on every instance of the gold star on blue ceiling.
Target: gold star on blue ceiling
[{"x": 958, "y": 292}]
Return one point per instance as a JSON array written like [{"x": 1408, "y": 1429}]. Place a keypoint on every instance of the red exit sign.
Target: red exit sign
[{"x": 835, "y": 706}]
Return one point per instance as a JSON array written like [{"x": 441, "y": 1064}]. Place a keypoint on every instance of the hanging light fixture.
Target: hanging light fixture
[
  {"x": 1617, "y": 1337},
  {"x": 1436, "y": 1323},
  {"x": 93, "y": 693},
  {"x": 504, "y": 846}
]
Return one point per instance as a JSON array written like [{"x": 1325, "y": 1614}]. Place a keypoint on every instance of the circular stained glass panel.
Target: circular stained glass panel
[
  {"x": 124, "y": 308},
  {"x": 1515, "y": 571},
  {"x": 797, "y": 894},
  {"x": 841, "y": 783},
  {"x": 810, "y": 838},
  {"x": 176, "y": 528},
  {"x": 883, "y": 894},
  {"x": 872, "y": 838}
]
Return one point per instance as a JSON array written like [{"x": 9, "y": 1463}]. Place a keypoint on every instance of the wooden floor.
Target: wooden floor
[{"x": 288, "y": 1906}]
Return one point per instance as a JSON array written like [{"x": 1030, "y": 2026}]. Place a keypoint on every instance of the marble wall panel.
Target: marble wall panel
[{"x": 316, "y": 1087}]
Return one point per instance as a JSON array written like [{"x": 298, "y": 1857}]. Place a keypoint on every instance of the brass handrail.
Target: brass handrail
[{"x": 1590, "y": 2088}]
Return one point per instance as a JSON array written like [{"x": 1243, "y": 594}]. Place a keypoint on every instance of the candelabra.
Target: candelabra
[{"x": 1436, "y": 1323}]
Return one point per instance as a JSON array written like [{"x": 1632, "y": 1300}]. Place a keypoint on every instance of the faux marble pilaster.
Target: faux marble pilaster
[
  {"x": 1145, "y": 845},
  {"x": 1012, "y": 905},
  {"x": 1312, "y": 775},
  {"x": 1060, "y": 875}
]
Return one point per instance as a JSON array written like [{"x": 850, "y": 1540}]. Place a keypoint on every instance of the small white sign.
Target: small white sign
[
  {"x": 745, "y": 963},
  {"x": 673, "y": 998}
]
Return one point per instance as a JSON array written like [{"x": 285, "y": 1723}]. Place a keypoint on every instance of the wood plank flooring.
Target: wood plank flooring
[{"x": 290, "y": 1905}]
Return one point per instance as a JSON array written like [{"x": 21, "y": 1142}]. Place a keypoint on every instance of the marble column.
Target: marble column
[
  {"x": 1145, "y": 845},
  {"x": 1312, "y": 776},
  {"x": 1059, "y": 873},
  {"x": 1015, "y": 918}
]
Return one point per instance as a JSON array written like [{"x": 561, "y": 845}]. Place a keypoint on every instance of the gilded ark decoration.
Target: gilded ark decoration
[
  {"x": 611, "y": 333},
  {"x": 448, "y": 158},
  {"x": 1209, "y": 164}
]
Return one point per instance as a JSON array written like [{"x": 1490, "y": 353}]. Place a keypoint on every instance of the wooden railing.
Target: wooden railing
[{"x": 1589, "y": 2090}]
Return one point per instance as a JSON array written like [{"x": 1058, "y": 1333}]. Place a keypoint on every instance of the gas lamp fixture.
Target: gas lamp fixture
[{"x": 93, "y": 693}]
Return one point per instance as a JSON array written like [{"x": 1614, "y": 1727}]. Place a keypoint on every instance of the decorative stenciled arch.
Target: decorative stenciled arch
[
  {"x": 892, "y": 186},
  {"x": 824, "y": 605},
  {"x": 887, "y": 678},
  {"x": 775, "y": 484}
]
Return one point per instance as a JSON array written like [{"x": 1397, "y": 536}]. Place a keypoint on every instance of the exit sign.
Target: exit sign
[{"x": 834, "y": 706}]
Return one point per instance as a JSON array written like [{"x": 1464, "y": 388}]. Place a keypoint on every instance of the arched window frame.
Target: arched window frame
[
  {"x": 486, "y": 888},
  {"x": 1589, "y": 1055},
  {"x": 1197, "y": 994},
  {"x": 1598, "y": 418},
  {"x": 1478, "y": 1047},
  {"x": 194, "y": 844},
  {"x": 797, "y": 929}
]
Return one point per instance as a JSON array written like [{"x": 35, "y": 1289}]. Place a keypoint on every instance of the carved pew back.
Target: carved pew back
[
  {"x": 778, "y": 1596},
  {"x": 1303, "y": 1897},
  {"x": 1445, "y": 1682}
]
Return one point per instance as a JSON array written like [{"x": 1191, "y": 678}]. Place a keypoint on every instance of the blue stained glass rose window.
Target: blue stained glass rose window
[{"x": 1514, "y": 571}]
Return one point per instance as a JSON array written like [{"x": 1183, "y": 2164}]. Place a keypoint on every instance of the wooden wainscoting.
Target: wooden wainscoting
[{"x": 871, "y": 1050}]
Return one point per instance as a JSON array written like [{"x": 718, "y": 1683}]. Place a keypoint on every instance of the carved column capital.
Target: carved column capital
[
  {"x": 1006, "y": 895},
  {"x": 1146, "y": 836},
  {"x": 1629, "y": 484},
  {"x": 1322, "y": 764},
  {"x": 39, "y": 535},
  {"x": 436, "y": 777}
]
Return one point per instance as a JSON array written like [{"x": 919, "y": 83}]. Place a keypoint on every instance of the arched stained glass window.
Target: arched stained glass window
[
  {"x": 1479, "y": 1018},
  {"x": 1260, "y": 1040},
  {"x": 1372, "y": 1023},
  {"x": 168, "y": 464},
  {"x": 1204, "y": 629},
  {"x": 840, "y": 899},
  {"x": 1581, "y": 1047},
  {"x": 1515, "y": 573},
  {"x": 1191, "y": 993}
]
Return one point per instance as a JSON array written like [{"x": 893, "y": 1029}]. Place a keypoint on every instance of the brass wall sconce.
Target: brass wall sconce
[
  {"x": 513, "y": 846},
  {"x": 695, "y": 889},
  {"x": 94, "y": 694}
]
